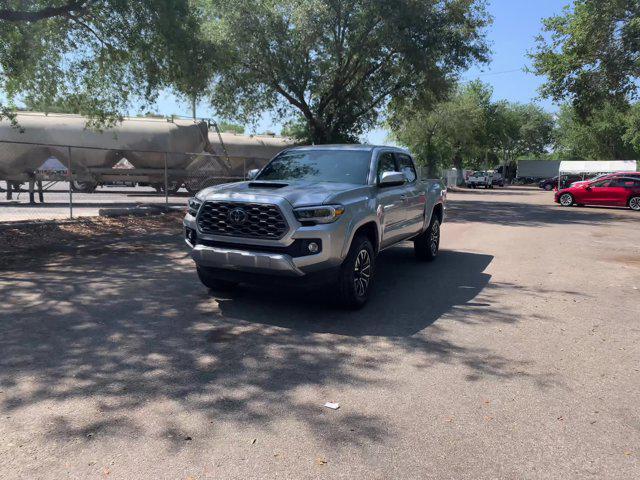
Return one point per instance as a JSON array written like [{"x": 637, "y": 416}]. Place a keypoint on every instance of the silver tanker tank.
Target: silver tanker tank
[
  {"x": 143, "y": 141},
  {"x": 186, "y": 145}
]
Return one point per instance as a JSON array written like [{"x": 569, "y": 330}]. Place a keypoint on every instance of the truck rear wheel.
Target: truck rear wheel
[
  {"x": 214, "y": 283},
  {"x": 427, "y": 245},
  {"x": 356, "y": 273}
]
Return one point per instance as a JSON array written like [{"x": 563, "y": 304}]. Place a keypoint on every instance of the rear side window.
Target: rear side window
[
  {"x": 625, "y": 182},
  {"x": 406, "y": 166},
  {"x": 386, "y": 163}
]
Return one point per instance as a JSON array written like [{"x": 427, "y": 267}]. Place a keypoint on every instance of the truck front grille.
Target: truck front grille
[{"x": 251, "y": 220}]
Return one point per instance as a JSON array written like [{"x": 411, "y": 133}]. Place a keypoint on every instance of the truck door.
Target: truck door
[
  {"x": 391, "y": 202},
  {"x": 415, "y": 198}
]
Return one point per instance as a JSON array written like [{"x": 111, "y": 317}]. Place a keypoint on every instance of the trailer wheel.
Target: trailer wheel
[
  {"x": 83, "y": 187},
  {"x": 173, "y": 187}
]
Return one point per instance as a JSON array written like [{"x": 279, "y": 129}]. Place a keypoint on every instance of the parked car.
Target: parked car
[
  {"x": 315, "y": 215},
  {"x": 551, "y": 183},
  {"x": 606, "y": 175},
  {"x": 616, "y": 191},
  {"x": 485, "y": 179}
]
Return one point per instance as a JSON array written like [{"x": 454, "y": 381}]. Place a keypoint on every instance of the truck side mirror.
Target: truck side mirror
[
  {"x": 253, "y": 173},
  {"x": 392, "y": 179}
]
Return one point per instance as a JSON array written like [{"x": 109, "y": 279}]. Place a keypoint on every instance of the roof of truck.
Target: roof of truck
[{"x": 347, "y": 146}]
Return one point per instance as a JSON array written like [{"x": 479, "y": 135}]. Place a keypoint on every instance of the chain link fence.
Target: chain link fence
[{"x": 54, "y": 182}]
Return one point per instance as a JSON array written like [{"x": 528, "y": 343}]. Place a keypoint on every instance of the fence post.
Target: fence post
[
  {"x": 166, "y": 184},
  {"x": 70, "y": 176}
]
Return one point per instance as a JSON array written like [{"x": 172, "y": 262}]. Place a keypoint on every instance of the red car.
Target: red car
[
  {"x": 615, "y": 191},
  {"x": 602, "y": 177}
]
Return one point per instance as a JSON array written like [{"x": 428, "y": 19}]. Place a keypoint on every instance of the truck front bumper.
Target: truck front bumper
[{"x": 242, "y": 260}]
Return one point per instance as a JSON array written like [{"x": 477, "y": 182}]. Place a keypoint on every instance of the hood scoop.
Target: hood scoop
[{"x": 267, "y": 185}]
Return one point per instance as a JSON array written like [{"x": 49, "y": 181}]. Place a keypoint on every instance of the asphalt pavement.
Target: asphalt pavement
[
  {"x": 57, "y": 199},
  {"x": 515, "y": 355}
]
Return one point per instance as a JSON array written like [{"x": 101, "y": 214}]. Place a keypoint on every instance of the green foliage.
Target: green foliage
[
  {"x": 606, "y": 134},
  {"x": 590, "y": 54},
  {"x": 230, "y": 127},
  {"x": 338, "y": 64},
  {"x": 297, "y": 129},
  {"x": 469, "y": 130},
  {"x": 632, "y": 134},
  {"x": 98, "y": 57}
]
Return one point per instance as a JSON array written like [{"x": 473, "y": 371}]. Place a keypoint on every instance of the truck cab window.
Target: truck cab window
[
  {"x": 386, "y": 163},
  {"x": 406, "y": 167}
]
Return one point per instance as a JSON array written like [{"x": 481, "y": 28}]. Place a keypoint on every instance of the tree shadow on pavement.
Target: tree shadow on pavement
[{"x": 125, "y": 326}]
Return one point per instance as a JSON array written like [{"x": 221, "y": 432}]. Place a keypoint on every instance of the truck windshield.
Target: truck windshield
[{"x": 338, "y": 166}]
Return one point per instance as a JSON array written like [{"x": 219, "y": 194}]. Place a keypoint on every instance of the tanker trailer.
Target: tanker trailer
[
  {"x": 230, "y": 156},
  {"x": 146, "y": 144}
]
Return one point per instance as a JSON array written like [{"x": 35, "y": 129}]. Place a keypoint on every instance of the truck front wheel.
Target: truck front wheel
[
  {"x": 427, "y": 245},
  {"x": 214, "y": 283},
  {"x": 356, "y": 273}
]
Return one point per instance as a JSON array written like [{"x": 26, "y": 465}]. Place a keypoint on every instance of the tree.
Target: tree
[
  {"x": 338, "y": 63},
  {"x": 298, "y": 129},
  {"x": 445, "y": 133},
  {"x": 604, "y": 135},
  {"x": 632, "y": 134},
  {"x": 590, "y": 54},
  {"x": 231, "y": 127},
  {"x": 519, "y": 130},
  {"x": 100, "y": 56},
  {"x": 469, "y": 130}
]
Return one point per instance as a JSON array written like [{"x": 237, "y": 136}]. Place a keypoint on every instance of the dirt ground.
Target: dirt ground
[{"x": 515, "y": 355}]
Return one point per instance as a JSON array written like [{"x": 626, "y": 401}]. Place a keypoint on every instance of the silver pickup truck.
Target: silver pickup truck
[{"x": 315, "y": 215}]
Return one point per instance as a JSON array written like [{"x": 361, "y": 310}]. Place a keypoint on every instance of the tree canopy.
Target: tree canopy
[
  {"x": 98, "y": 57},
  {"x": 590, "y": 54},
  {"x": 337, "y": 64},
  {"x": 469, "y": 130}
]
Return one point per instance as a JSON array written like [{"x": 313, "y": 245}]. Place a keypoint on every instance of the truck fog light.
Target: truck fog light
[{"x": 313, "y": 247}]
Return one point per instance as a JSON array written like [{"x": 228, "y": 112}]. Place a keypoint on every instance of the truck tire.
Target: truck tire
[
  {"x": 356, "y": 273},
  {"x": 427, "y": 245},
  {"x": 214, "y": 283}
]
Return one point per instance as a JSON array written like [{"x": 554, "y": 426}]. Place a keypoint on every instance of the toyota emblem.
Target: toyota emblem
[{"x": 237, "y": 216}]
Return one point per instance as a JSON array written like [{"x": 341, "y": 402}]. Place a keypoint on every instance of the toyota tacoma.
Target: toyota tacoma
[{"x": 315, "y": 215}]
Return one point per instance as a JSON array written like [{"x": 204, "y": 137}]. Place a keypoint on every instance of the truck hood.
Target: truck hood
[{"x": 298, "y": 194}]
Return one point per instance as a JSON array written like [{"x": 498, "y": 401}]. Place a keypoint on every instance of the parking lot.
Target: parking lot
[{"x": 515, "y": 355}]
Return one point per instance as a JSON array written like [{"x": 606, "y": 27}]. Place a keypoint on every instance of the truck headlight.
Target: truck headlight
[
  {"x": 319, "y": 214},
  {"x": 194, "y": 206}
]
